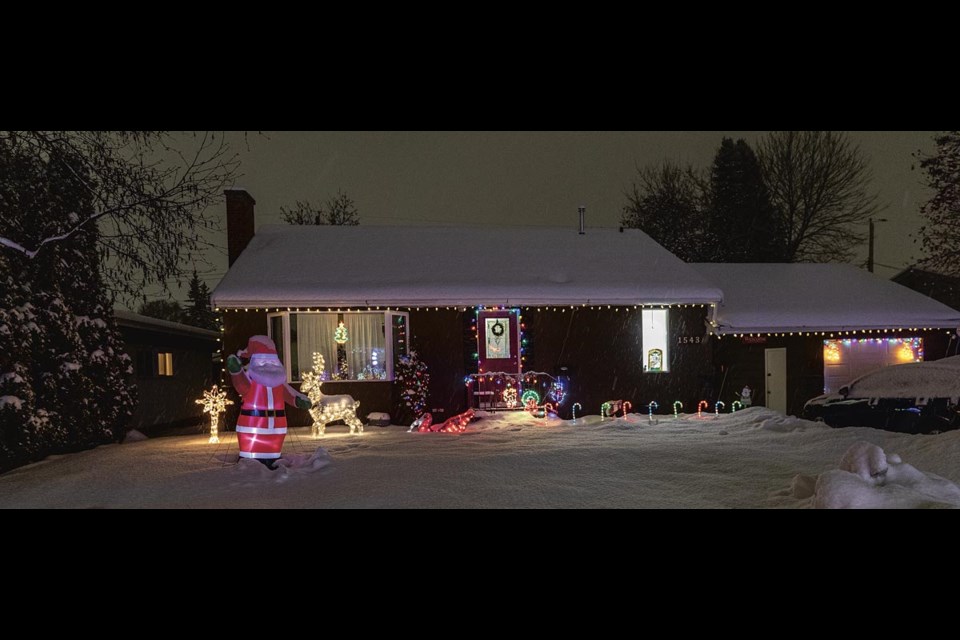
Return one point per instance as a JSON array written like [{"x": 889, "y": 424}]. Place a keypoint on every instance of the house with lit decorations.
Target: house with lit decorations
[
  {"x": 576, "y": 316},
  {"x": 794, "y": 331}
]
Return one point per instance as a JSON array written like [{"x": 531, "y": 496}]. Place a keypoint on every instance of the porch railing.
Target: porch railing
[{"x": 504, "y": 391}]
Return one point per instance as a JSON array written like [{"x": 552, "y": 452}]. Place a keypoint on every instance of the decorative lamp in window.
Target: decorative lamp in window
[{"x": 655, "y": 360}]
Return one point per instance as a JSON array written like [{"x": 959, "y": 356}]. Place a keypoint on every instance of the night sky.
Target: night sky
[{"x": 522, "y": 178}]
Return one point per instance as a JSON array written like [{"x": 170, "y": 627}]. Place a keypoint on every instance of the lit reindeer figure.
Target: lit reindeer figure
[{"x": 326, "y": 408}]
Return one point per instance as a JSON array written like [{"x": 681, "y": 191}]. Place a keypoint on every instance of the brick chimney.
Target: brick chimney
[{"x": 240, "y": 223}]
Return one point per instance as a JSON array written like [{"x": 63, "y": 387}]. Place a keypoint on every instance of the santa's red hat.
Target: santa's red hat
[{"x": 258, "y": 344}]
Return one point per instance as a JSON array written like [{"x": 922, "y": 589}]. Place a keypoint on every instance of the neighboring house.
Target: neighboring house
[
  {"x": 173, "y": 364},
  {"x": 794, "y": 331},
  {"x": 610, "y": 314},
  {"x": 945, "y": 289}
]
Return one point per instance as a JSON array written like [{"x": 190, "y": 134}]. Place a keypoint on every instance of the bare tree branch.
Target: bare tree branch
[
  {"x": 149, "y": 191},
  {"x": 819, "y": 182}
]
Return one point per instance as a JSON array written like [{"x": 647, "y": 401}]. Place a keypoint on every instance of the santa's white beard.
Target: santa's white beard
[{"x": 268, "y": 376}]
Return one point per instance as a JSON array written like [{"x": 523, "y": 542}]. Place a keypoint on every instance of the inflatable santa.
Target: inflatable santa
[{"x": 262, "y": 425}]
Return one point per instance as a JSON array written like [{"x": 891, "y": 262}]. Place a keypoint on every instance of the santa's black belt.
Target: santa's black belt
[{"x": 263, "y": 413}]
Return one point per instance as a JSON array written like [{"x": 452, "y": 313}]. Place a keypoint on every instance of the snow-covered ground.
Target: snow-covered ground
[{"x": 754, "y": 458}]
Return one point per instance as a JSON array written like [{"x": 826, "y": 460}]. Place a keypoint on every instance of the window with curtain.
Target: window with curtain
[
  {"x": 315, "y": 334},
  {"x": 364, "y": 349}
]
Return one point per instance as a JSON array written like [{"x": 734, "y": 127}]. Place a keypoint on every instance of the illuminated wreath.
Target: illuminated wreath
[{"x": 497, "y": 329}]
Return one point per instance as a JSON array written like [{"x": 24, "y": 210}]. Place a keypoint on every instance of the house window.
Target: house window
[
  {"x": 367, "y": 353},
  {"x": 656, "y": 328},
  {"x": 164, "y": 363}
]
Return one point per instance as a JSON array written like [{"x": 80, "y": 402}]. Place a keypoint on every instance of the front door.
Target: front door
[{"x": 776, "y": 379}]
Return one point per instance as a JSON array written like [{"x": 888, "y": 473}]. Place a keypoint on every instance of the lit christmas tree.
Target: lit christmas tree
[
  {"x": 340, "y": 335},
  {"x": 414, "y": 381}
]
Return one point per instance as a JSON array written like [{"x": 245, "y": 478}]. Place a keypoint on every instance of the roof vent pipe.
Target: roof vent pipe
[{"x": 582, "y": 211}]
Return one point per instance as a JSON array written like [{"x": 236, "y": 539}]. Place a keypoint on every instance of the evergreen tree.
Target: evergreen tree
[
  {"x": 743, "y": 225},
  {"x": 24, "y": 429},
  {"x": 940, "y": 235},
  {"x": 413, "y": 381},
  {"x": 198, "y": 312},
  {"x": 63, "y": 370}
]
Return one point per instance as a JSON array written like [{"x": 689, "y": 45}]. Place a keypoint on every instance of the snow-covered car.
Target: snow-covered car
[{"x": 921, "y": 397}]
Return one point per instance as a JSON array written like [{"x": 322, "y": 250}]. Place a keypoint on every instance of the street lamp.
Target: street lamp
[{"x": 870, "y": 250}]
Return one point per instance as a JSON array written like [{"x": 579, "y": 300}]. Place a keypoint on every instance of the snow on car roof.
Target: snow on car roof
[{"x": 936, "y": 379}]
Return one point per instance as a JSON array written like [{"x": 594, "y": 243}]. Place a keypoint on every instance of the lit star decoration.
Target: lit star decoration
[
  {"x": 327, "y": 409},
  {"x": 214, "y": 402}
]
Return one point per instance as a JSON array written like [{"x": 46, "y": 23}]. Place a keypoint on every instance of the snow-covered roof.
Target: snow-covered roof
[
  {"x": 135, "y": 320},
  {"x": 768, "y": 298},
  {"x": 288, "y": 265}
]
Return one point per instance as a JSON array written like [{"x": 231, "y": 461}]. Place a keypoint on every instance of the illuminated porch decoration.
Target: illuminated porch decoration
[
  {"x": 557, "y": 392},
  {"x": 716, "y": 407},
  {"x": 605, "y": 410},
  {"x": 214, "y": 402},
  {"x": 529, "y": 395},
  {"x": 340, "y": 335},
  {"x": 700, "y": 407},
  {"x": 677, "y": 405},
  {"x": 510, "y": 397},
  {"x": 651, "y": 407}
]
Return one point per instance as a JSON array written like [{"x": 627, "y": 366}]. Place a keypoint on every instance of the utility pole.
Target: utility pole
[{"x": 870, "y": 248}]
